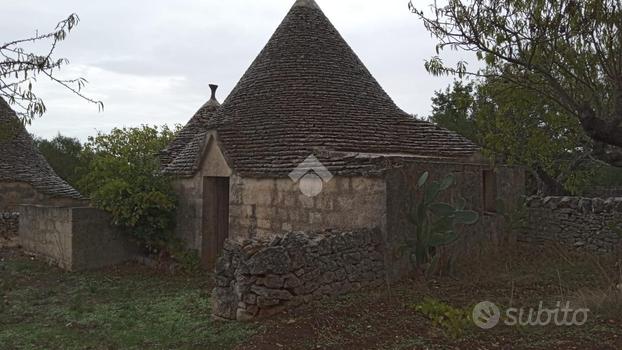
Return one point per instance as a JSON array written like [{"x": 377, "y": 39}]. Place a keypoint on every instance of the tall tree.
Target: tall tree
[
  {"x": 64, "y": 156},
  {"x": 21, "y": 65},
  {"x": 567, "y": 51},
  {"x": 516, "y": 127},
  {"x": 453, "y": 109}
]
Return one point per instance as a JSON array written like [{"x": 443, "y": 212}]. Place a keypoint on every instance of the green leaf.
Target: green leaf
[
  {"x": 432, "y": 192},
  {"x": 467, "y": 217},
  {"x": 443, "y": 225},
  {"x": 442, "y": 209},
  {"x": 423, "y": 179},
  {"x": 443, "y": 239},
  {"x": 460, "y": 203},
  {"x": 447, "y": 182}
]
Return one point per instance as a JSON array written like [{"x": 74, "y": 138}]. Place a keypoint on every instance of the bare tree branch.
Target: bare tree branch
[{"x": 20, "y": 68}]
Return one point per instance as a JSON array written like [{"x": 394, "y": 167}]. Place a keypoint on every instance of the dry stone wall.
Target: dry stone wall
[
  {"x": 9, "y": 225},
  {"x": 589, "y": 224},
  {"x": 258, "y": 278}
]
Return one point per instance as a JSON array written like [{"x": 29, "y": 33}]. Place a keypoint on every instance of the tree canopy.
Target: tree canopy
[
  {"x": 64, "y": 154},
  {"x": 514, "y": 126},
  {"x": 566, "y": 51}
]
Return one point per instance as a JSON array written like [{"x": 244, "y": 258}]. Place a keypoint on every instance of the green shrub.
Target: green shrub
[
  {"x": 123, "y": 178},
  {"x": 454, "y": 321}
]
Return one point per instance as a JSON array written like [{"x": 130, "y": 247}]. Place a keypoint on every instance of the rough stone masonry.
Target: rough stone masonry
[
  {"x": 259, "y": 278},
  {"x": 588, "y": 224},
  {"x": 9, "y": 225}
]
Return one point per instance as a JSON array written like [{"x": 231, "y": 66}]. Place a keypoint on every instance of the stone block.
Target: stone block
[
  {"x": 274, "y": 281},
  {"x": 306, "y": 202},
  {"x": 263, "y": 302},
  {"x": 279, "y": 294}
]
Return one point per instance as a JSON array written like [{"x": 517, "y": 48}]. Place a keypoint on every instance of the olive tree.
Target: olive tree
[{"x": 567, "y": 51}]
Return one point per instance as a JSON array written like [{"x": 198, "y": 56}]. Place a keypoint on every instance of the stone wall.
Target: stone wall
[
  {"x": 588, "y": 224},
  {"x": 603, "y": 192},
  {"x": 490, "y": 229},
  {"x": 262, "y": 207},
  {"x": 189, "y": 211},
  {"x": 9, "y": 225},
  {"x": 73, "y": 238},
  {"x": 258, "y": 278}
]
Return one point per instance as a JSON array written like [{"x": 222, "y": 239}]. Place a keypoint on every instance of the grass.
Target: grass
[
  {"x": 133, "y": 307},
  {"x": 130, "y": 307}
]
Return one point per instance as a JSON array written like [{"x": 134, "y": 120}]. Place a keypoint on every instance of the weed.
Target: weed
[{"x": 454, "y": 321}]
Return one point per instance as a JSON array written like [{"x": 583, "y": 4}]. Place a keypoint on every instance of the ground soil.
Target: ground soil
[{"x": 137, "y": 307}]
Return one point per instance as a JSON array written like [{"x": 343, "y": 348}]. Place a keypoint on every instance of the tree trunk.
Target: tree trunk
[{"x": 550, "y": 185}]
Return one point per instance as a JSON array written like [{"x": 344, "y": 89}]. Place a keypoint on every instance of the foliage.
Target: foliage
[
  {"x": 514, "y": 126},
  {"x": 453, "y": 109},
  {"x": 123, "y": 178},
  {"x": 565, "y": 51},
  {"x": 435, "y": 221},
  {"x": 64, "y": 154},
  {"x": 455, "y": 322},
  {"x": 607, "y": 177},
  {"x": 21, "y": 66}
]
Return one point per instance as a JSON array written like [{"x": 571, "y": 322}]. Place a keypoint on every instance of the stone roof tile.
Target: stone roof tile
[
  {"x": 306, "y": 90},
  {"x": 20, "y": 161}
]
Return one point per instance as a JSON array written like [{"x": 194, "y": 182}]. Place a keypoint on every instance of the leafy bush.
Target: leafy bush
[{"x": 123, "y": 177}]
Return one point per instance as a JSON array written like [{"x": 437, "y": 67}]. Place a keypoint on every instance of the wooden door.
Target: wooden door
[{"x": 215, "y": 219}]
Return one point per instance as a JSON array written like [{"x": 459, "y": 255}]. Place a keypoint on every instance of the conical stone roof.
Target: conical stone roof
[
  {"x": 308, "y": 93},
  {"x": 21, "y": 162},
  {"x": 195, "y": 126}
]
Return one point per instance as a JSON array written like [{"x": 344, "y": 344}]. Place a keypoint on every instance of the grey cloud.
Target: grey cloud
[{"x": 178, "y": 48}]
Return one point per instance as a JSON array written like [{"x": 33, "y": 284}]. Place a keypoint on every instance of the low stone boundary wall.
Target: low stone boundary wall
[
  {"x": 590, "y": 224},
  {"x": 9, "y": 225},
  {"x": 73, "y": 238},
  {"x": 257, "y": 279}
]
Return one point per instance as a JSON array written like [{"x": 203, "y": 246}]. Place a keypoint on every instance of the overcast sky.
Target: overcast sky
[{"x": 150, "y": 61}]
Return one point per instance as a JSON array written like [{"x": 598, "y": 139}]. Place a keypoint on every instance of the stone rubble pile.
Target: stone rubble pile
[{"x": 258, "y": 278}]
